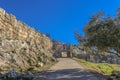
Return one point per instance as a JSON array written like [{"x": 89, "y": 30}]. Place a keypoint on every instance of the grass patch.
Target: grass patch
[{"x": 104, "y": 68}]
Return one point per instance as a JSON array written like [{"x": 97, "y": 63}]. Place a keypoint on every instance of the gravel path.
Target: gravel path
[{"x": 68, "y": 69}]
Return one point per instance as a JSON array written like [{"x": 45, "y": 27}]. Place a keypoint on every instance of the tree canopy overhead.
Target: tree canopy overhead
[{"x": 102, "y": 32}]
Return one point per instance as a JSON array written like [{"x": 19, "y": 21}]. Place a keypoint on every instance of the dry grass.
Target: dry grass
[{"x": 104, "y": 68}]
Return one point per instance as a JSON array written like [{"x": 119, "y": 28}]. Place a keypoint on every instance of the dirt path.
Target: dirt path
[{"x": 68, "y": 69}]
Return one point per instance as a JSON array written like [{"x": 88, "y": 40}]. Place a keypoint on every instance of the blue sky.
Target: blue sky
[{"x": 59, "y": 18}]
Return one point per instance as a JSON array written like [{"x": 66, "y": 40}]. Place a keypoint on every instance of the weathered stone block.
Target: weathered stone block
[{"x": 21, "y": 46}]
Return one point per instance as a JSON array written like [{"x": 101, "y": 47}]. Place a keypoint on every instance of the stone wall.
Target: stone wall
[
  {"x": 21, "y": 47},
  {"x": 104, "y": 57},
  {"x": 12, "y": 29},
  {"x": 100, "y": 58},
  {"x": 60, "y": 49}
]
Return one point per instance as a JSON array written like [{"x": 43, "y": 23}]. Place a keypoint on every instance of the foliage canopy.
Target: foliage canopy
[{"x": 102, "y": 32}]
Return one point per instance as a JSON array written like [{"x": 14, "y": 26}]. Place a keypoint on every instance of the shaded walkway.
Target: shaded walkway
[
  {"x": 68, "y": 69},
  {"x": 72, "y": 74}
]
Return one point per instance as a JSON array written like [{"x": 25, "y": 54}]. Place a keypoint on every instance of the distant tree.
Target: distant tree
[
  {"x": 102, "y": 32},
  {"x": 78, "y": 37},
  {"x": 48, "y": 35}
]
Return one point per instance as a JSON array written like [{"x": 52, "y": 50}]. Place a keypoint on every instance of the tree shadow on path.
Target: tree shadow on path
[{"x": 72, "y": 74}]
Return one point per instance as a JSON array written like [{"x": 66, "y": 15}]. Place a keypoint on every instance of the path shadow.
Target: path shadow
[{"x": 72, "y": 74}]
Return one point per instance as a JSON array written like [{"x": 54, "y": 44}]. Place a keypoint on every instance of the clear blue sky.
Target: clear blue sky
[{"x": 59, "y": 18}]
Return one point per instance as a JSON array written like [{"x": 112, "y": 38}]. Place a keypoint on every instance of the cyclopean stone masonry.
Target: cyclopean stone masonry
[{"x": 21, "y": 46}]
